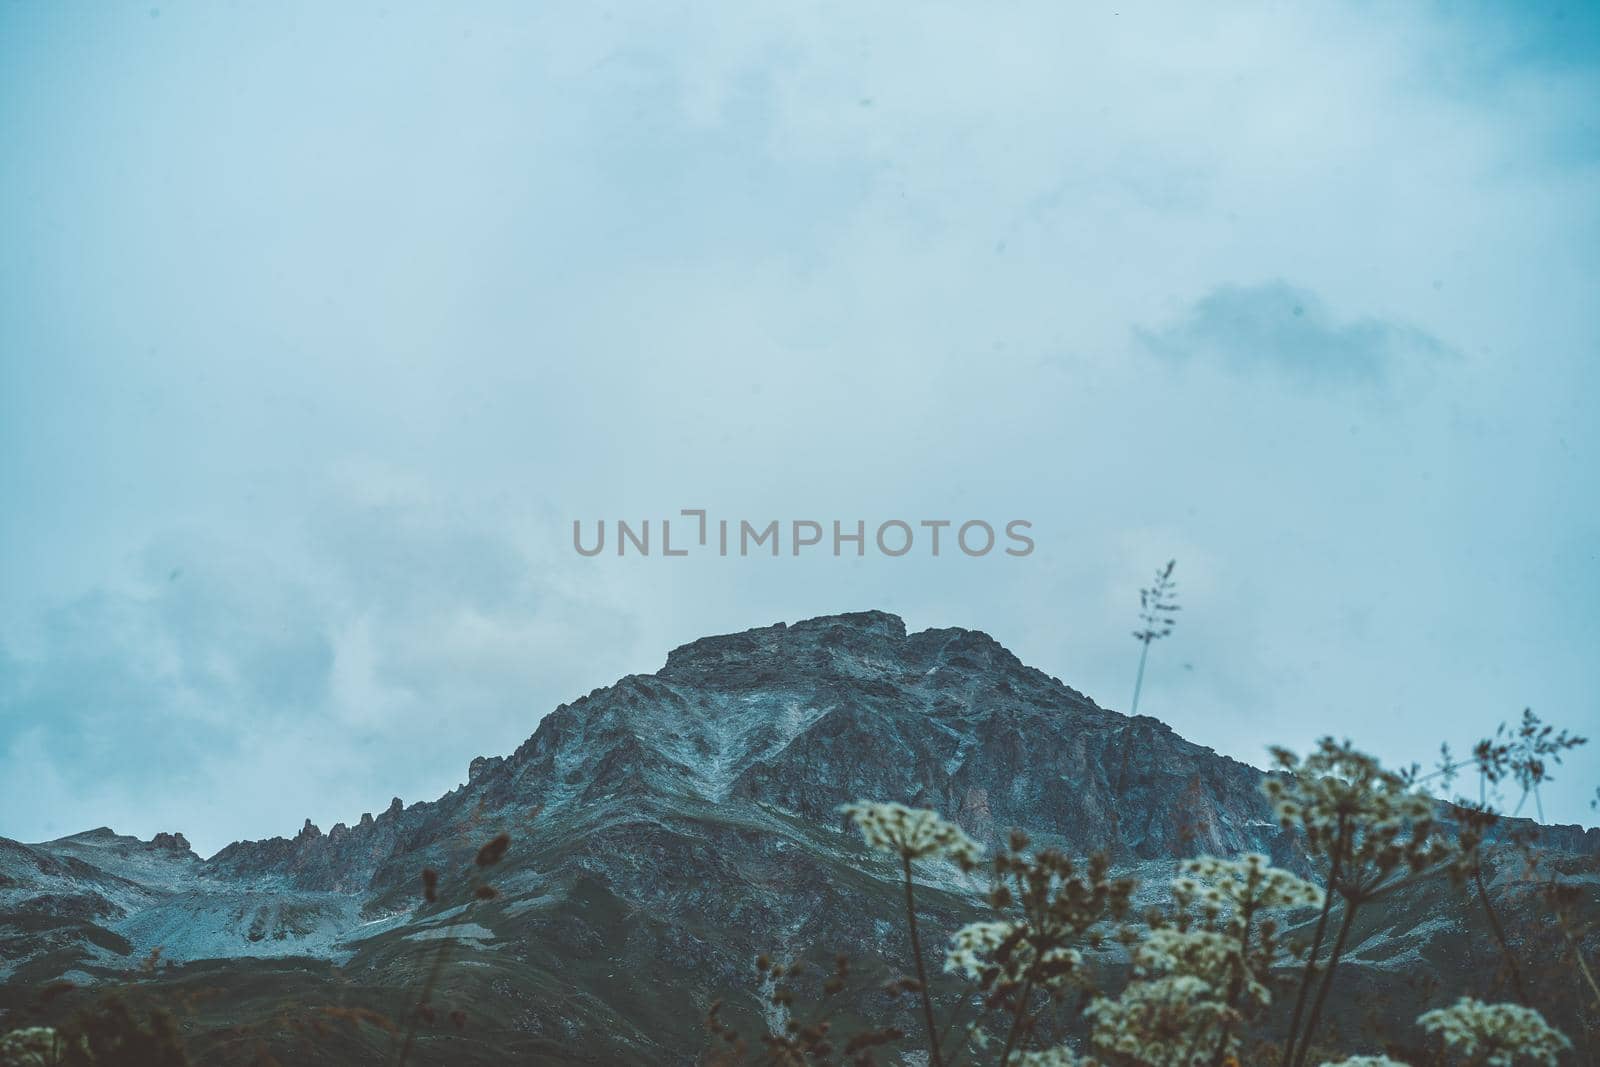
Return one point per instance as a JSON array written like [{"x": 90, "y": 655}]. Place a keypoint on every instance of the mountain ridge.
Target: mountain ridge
[
  {"x": 752, "y": 655},
  {"x": 672, "y": 825}
]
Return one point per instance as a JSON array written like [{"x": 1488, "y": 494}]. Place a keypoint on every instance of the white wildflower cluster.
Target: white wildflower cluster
[
  {"x": 972, "y": 947},
  {"x": 1372, "y": 821},
  {"x": 1200, "y": 974},
  {"x": 1245, "y": 884},
  {"x": 1367, "y": 1061},
  {"x": 1003, "y": 952},
  {"x": 912, "y": 833},
  {"x": 1048, "y": 904},
  {"x": 34, "y": 1046},
  {"x": 1497, "y": 1035},
  {"x": 1175, "y": 1021},
  {"x": 1176, "y": 1003},
  {"x": 1203, "y": 954},
  {"x": 1060, "y": 1056}
]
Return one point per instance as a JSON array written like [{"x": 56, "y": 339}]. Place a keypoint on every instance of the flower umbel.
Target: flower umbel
[
  {"x": 33, "y": 1046},
  {"x": 912, "y": 833},
  {"x": 1251, "y": 882},
  {"x": 1060, "y": 1056},
  {"x": 1375, "y": 825},
  {"x": 1004, "y": 953},
  {"x": 1161, "y": 1022},
  {"x": 1497, "y": 1035}
]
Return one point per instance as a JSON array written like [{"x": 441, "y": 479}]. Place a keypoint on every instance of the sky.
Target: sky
[{"x": 320, "y": 325}]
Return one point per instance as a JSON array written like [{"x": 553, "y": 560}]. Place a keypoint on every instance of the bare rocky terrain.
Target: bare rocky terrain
[{"x": 664, "y": 831}]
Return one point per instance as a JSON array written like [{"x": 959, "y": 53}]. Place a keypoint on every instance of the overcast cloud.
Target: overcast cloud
[
  {"x": 320, "y": 326},
  {"x": 1277, "y": 327}
]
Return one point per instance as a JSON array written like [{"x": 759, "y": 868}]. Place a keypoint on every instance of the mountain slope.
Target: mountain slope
[{"x": 664, "y": 831}]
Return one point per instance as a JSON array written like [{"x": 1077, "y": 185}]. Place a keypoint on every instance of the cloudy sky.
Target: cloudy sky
[{"x": 320, "y": 326}]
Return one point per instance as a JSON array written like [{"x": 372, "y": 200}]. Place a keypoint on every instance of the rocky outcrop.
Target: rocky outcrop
[
  {"x": 343, "y": 860},
  {"x": 482, "y": 765},
  {"x": 174, "y": 842}
]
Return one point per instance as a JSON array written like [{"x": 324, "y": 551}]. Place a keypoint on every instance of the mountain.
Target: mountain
[{"x": 664, "y": 831}]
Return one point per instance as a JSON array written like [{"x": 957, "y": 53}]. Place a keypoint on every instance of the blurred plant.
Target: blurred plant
[
  {"x": 33, "y": 1046},
  {"x": 1368, "y": 831},
  {"x": 1202, "y": 969},
  {"x": 1496, "y": 1035},
  {"x": 114, "y": 1033},
  {"x": 1524, "y": 755},
  {"x": 1562, "y": 899},
  {"x": 1158, "y": 608},
  {"x": 1200, "y": 973},
  {"x": 795, "y": 1042},
  {"x": 1047, "y": 904},
  {"x": 914, "y": 834},
  {"x": 491, "y": 853},
  {"x": 1026, "y": 958}
]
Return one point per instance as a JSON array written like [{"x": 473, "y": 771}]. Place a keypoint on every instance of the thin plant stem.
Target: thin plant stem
[
  {"x": 1304, "y": 1050},
  {"x": 426, "y": 993},
  {"x": 956, "y": 1053},
  {"x": 961, "y": 1050},
  {"x": 1500, "y": 935},
  {"x": 1138, "y": 680},
  {"x": 934, "y": 1059},
  {"x": 1016, "y": 1019},
  {"x": 1577, "y": 954},
  {"x": 1316, "y": 947}
]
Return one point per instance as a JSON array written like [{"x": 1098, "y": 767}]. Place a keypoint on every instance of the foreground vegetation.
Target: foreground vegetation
[{"x": 1206, "y": 968}]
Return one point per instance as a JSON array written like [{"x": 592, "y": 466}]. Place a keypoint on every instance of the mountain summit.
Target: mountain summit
[{"x": 664, "y": 830}]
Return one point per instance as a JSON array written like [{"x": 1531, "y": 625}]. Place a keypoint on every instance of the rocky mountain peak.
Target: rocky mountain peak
[
  {"x": 481, "y": 765},
  {"x": 99, "y": 833},
  {"x": 759, "y": 651},
  {"x": 856, "y": 648},
  {"x": 174, "y": 842}
]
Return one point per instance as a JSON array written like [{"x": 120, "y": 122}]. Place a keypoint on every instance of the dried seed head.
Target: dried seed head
[{"x": 491, "y": 853}]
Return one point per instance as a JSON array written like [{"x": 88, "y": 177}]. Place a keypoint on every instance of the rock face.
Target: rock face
[
  {"x": 664, "y": 831},
  {"x": 806, "y": 717},
  {"x": 482, "y": 765},
  {"x": 176, "y": 843}
]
